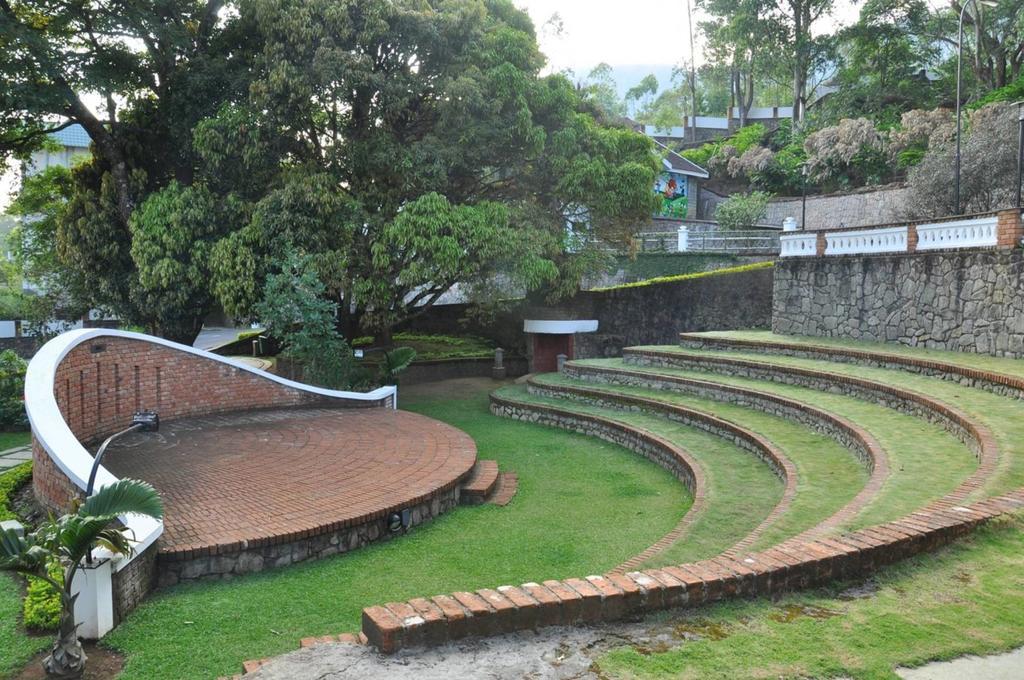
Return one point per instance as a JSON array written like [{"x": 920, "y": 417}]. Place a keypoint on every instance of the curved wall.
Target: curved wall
[{"x": 85, "y": 384}]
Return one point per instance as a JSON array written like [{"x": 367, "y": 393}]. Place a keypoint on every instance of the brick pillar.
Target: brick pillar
[
  {"x": 912, "y": 238},
  {"x": 1009, "y": 229},
  {"x": 821, "y": 244}
]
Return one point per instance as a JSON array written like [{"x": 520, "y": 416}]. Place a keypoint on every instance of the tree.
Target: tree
[
  {"x": 67, "y": 541},
  {"x": 600, "y": 88},
  {"x": 742, "y": 211},
  {"x": 884, "y": 59},
  {"x": 153, "y": 70},
  {"x": 993, "y": 39},
  {"x": 406, "y": 147},
  {"x": 642, "y": 93}
]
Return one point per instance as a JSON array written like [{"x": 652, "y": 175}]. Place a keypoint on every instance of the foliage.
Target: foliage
[
  {"x": 690, "y": 277},
  {"x": 12, "y": 391},
  {"x": 882, "y": 62},
  {"x": 10, "y": 481},
  {"x": 600, "y": 89},
  {"x": 988, "y": 168},
  {"x": 67, "y": 540},
  {"x": 850, "y": 154},
  {"x": 395, "y": 361},
  {"x": 400, "y": 181},
  {"x": 716, "y": 153},
  {"x": 1011, "y": 92},
  {"x": 42, "y": 606},
  {"x": 172, "y": 235},
  {"x": 295, "y": 312},
  {"x": 742, "y": 211},
  {"x": 431, "y": 346}
]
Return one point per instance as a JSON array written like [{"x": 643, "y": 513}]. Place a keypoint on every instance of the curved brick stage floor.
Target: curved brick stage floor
[{"x": 239, "y": 481}]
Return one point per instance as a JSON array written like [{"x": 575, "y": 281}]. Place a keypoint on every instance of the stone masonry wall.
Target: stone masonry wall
[
  {"x": 879, "y": 205},
  {"x": 971, "y": 301}
]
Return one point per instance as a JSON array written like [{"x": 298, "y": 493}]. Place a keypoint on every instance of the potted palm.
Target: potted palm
[{"x": 68, "y": 540}]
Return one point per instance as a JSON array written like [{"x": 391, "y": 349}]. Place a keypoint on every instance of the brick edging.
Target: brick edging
[
  {"x": 1001, "y": 384},
  {"x": 848, "y": 435},
  {"x": 611, "y": 597},
  {"x": 674, "y": 458},
  {"x": 742, "y": 437},
  {"x": 976, "y": 436}
]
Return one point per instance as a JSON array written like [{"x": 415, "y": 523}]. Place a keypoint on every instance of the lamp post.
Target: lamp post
[
  {"x": 959, "y": 59},
  {"x": 1020, "y": 150},
  {"x": 803, "y": 196}
]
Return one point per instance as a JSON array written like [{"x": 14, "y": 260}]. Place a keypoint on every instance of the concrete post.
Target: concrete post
[
  {"x": 498, "y": 371},
  {"x": 683, "y": 239},
  {"x": 94, "y": 608},
  {"x": 561, "y": 358}
]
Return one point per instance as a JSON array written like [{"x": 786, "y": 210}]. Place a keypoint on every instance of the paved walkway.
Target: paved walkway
[
  {"x": 14, "y": 457},
  {"x": 257, "y": 474},
  {"x": 1008, "y": 666}
]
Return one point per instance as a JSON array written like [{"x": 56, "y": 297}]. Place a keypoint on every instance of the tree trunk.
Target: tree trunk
[{"x": 66, "y": 661}]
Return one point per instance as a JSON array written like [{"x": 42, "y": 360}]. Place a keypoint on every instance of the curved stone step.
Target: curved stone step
[
  {"x": 674, "y": 458},
  {"x": 742, "y": 437},
  {"x": 999, "y": 383},
  {"x": 505, "y": 489},
  {"x": 973, "y": 434},
  {"x": 878, "y": 464},
  {"x": 481, "y": 483}
]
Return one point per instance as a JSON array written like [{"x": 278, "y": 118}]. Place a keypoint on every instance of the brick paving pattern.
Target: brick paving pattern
[{"x": 234, "y": 479}]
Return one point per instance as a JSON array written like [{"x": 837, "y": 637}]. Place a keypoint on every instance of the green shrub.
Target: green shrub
[
  {"x": 12, "y": 392},
  {"x": 10, "y": 482},
  {"x": 41, "y": 610},
  {"x": 742, "y": 211},
  {"x": 746, "y": 137},
  {"x": 1013, "y": 92}
]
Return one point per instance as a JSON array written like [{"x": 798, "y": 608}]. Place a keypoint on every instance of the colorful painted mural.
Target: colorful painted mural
[{"x": 673, "y": 189}]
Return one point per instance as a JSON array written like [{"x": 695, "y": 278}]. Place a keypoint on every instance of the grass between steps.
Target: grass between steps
[
  {"x": 925, "y": 462},
  {"x": 986, "y": 362},
  {"x": 965, "y": 599},
  {"x": 583, "y": 506},
  {"x": 828, "y": 475},
  {"x": 1004, "y": 416},
  {"x": 741, "y": 489}
]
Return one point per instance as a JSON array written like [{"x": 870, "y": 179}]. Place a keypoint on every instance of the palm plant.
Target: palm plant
[
  {"x": 68, "y": 540},
  {"x": 396, "y": 361}
]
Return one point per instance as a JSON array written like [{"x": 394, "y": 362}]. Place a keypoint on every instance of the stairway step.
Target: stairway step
[
  {"x": 505, "y": 489},
  {"x": 481, "y": 482}
]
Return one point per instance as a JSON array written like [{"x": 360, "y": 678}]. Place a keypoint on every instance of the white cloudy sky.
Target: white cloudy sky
[{"x": 623, "y": 32}]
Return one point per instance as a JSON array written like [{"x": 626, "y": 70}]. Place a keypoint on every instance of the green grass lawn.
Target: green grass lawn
[
  {"x": 741, "y": 489},
  {"x": 9, "y": 440},
  {"x": 583, "y": 506},
  {"x": 828, "y": 475},
  {"x": 979, "y": 361},
  {"x": 1003, "y": 416},
  {"x": 925, "y": 461},
  {"x": 965, "y": 599}
]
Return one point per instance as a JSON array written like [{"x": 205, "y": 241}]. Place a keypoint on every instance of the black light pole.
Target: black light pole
[
  {"x": 803, "y": 196},
  {"x": 1020, "y": 150},
  {"x": 959, "y": 59},
  {"x": 145, "y": 421}
]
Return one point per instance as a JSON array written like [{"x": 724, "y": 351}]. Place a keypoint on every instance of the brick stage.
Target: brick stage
[{"x": 250, "y": 490}]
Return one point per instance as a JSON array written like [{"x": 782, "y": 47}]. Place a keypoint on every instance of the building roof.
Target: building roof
[
  {"x": 73, "y": 136},
  {"x": 673, "y": 162}
]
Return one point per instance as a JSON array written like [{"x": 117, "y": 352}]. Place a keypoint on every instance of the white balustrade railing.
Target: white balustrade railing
[
  {"x": 798, "y": 245},
  {"x": 978, "y": 232},
  {"x": 862, "y": 241}
]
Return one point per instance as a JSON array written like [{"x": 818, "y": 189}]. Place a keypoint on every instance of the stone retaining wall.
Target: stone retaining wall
[
  {"x": 188, "y": 566},
  {"x": 970, "y": 301},
  {"x": 876, "y": 205}
]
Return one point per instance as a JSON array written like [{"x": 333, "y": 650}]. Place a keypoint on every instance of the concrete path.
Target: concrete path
[
  {"x": 13, "y": 457},
  {"x": 1008, "y": 666},
  {"x": 215, "y": 336}
]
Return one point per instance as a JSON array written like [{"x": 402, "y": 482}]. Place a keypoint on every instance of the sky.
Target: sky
[{"x": 623, "y": 33}]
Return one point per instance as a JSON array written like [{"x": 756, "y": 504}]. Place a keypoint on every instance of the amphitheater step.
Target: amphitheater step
[
  {"x": 505, "y": 489},
  {"x": 481, "y": 483}
]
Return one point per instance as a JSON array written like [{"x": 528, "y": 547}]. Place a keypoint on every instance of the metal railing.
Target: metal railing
[{"x": 747, "y": 241}]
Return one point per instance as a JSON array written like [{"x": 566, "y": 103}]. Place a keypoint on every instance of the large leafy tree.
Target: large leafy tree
[
  {"x": 409, "y": 146},
  {"x": 137, "y": 76}
]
